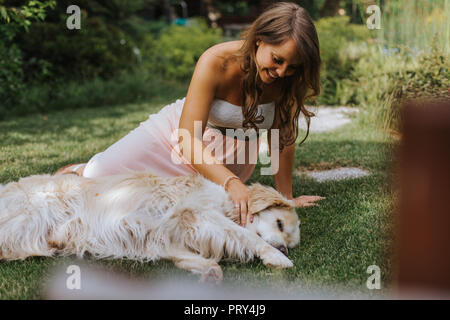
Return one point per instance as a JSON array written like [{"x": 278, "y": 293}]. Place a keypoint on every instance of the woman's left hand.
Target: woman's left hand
[{"x": 307, "y": 201}]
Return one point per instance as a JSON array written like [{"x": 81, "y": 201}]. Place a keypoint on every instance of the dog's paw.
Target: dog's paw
[
  {"x": 272, "y": 257},
  {"x": 214, "y": 274}
]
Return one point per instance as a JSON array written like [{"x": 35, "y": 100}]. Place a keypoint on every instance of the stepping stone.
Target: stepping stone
[
  {"x": 328, "y": 118},
  {"x": 336, "y": 174}
]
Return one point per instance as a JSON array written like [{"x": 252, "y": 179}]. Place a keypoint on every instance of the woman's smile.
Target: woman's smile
[
  {"x": 271, "y": 75},
  {"x": 276, "y": 61}
]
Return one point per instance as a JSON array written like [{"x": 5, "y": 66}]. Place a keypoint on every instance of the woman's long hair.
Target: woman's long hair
[{"x": 280, "y": 22}]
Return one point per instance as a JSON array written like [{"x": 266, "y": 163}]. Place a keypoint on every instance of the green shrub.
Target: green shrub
[
  {"x": 139, "y": 28},
  {"x": 175, "y": 52},
  {"x": 382, "y": 78},
  {"x": 429, "y": 80},
  {"x": 338, "y": 58},
  {"x": 11, "y": 74},
  {"x": 127, "y": 87},
  {"x": 16, "y": 18},
  {"x": 370, "y": 76},
  {"x": 96, "y": 50},
  {"x": 414, "y": 23}
]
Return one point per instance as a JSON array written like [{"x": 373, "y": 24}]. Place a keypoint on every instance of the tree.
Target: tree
[
  {"x": 14, "y": 19},
  {"x": 330, "y": 8},
  {"x": 311, "y": 6},
  {"x": 17, "y": 18}
]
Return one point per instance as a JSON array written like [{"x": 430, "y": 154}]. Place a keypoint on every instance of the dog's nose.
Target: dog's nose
[{"x": 283, "y": 249}]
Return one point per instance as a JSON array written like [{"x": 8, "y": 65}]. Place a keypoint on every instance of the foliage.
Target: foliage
[
  {"x": 114, "y": 12},
  {"x": 176, "y": 51},
  {"x": 102, "y": 63},
  {"x": 430, "y": 80},
  {"x": 126, "y": 87},
  {"x": 50, "y": 52},
  {"x": 414, "y": 23},
  {"x": 13, "y": 20},
  {"x": 338, "y": 60},
  {"x": 245, "y": 8},
  {"x": 395, "y": 64},
  {"x": 312, "y": 6},
  {"x": 18, "y": 18},
  {"x": 11, "y": 73},
  {"x": 97, "y": 49},
  {"x": 140, "y": 29},
  {"x": 235, "y": 7},
  {"x": 382, "y": 78}
]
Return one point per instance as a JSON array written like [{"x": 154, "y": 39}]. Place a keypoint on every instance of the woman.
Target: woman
[{"x": 260, "y": 82}]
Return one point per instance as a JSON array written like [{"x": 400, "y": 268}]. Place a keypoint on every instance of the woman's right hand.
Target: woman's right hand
[{"x": 239, "y": 193}]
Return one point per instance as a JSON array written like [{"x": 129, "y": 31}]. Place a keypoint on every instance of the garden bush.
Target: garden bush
[
  {"x": 430, "y": 80},
  {"x": 127, "y": 87},
  {"x": 14, "y": 21},
  {"x": 11, "y": 73},
  {"x": 384, "y": 77},
  {"x": 105, "y": 64},
  {"x": 175, "y": 52},
  {"x": 335, "y": 35},
  {"x": 96, "y": 50}
]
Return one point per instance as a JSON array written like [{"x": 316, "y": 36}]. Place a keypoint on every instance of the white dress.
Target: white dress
[{"x": 153, "y": 146}]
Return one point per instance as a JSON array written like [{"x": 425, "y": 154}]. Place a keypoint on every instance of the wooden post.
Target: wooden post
[{"x": 423, "y": 233}]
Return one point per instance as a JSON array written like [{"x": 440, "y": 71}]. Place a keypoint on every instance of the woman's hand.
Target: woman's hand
[
  {"x": 239, "y": 194},
  {"x": 307, "y": 201}
]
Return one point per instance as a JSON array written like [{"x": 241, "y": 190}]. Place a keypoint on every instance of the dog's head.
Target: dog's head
[{"x": 275, "y": 219}]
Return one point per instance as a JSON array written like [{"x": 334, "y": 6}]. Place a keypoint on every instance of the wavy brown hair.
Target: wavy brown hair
[{"x": 279, "y": 22}]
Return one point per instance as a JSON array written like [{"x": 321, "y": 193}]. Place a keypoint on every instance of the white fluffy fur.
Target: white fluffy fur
[{"x": 186, "y": 219}]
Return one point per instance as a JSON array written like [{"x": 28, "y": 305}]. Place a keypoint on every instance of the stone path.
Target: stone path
[
  {"x": 326, "y": 119},
  {"x": 337, "y": 174}
]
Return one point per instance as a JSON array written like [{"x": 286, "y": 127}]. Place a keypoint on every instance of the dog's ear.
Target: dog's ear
[{"x": 263, "y": 197}]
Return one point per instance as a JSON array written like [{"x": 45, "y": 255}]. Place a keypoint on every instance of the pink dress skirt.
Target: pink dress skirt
[{"x": 153, "y": 147}]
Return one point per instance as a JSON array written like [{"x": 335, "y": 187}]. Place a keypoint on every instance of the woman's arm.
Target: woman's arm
[
  {"x": 283, "y": 178},
  {"x": 205, "y": 80},
  {"x": 285, "y": 165},
  {"x": 196, "y": 108}
]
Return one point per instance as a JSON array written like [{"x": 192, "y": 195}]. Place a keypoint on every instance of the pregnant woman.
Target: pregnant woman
[{"x": 259, "y": 82}]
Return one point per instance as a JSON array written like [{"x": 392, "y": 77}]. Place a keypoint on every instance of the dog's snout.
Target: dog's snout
[{"x": 283, "y": 249}]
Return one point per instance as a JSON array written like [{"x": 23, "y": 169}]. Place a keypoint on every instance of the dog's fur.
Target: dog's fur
[{"x": 187, "y": 219}]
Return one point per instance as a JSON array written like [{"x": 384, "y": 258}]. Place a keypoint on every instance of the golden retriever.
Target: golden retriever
[{"x": 188, "y": 219}]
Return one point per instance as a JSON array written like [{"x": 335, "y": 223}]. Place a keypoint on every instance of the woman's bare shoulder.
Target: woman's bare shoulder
[
  {"x": 214, "y": 63},
  {"x": 222, "y": 51},
  {"x": 209, "y": 77},
  {"x": 225, "y": 48}
]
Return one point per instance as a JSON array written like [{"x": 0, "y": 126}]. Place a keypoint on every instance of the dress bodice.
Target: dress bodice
[{"x": 227, "y": 115}]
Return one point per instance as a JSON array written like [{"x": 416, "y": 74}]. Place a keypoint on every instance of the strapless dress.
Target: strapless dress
[{"x": 153, "y": 145}]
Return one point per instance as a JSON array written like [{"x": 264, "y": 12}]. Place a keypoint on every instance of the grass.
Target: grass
[
  {"x": 349, "y": 231},
  {"x": 414, "y": 23}
]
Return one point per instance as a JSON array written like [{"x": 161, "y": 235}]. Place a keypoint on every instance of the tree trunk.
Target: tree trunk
[
  {"x": 330, "y": 8},
  {"x": 166, "y": 9}
]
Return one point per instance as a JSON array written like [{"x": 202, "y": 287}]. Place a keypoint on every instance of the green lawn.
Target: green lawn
[{"x": 349, "y": 231}]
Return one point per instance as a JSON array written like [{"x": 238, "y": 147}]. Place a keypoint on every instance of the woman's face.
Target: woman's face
[{"x": 276, "y": 61}]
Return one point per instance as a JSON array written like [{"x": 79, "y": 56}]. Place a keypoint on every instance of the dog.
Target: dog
[{"x": 187, "y": 219}]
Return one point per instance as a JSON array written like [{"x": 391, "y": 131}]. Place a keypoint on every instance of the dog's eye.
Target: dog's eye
[{"x": 280, "y": 225}]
